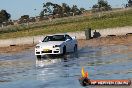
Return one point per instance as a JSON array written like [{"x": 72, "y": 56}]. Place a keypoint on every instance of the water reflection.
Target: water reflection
[
  {"x": 55, "y": 67},
  {"x": 55, "y": 59},
  {"x": 47, "y": 62},
  {"x": 102, "y": 62}
]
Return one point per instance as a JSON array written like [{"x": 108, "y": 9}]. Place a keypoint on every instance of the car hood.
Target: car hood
[{"x": 50, "y": 43}]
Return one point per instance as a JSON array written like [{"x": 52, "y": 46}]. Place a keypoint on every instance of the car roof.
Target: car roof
[{"x": 58, "y": 34}]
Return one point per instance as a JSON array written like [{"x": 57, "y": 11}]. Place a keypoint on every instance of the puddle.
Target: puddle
[{"x": 22, "y": 70}]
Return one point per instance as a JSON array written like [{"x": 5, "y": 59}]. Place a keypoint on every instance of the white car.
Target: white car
[{"x": 56, "y": 44}]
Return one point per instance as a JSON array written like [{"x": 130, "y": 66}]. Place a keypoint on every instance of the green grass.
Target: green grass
[{"x": 71, "y": 24}]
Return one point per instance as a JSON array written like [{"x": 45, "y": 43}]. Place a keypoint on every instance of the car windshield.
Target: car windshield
[{"x": 54, "y": 38}]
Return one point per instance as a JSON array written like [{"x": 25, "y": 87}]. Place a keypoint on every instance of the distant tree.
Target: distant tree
[
  {"x": 102, "y": 5},
  {"x": 24, "y": 19},
  {"x": 65, "y": 9},
  {"x": 129, "y": 3},
  {"x": 47, "y": 9},
  {"x": 42, "y": 14},
  {"x": 82, "y": 10},
  {"x": 32, "y": 19},
  {"x": 56, "y": 10},
  {"x": 95, "y": 8},
  {"x": 4, "y": 16},
  {"x": 75, "y": 10}
]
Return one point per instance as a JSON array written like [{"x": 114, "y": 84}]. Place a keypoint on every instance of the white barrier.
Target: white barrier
[
  {"x": 79, "y": 35},
  {"x": 114, "y": 31}
]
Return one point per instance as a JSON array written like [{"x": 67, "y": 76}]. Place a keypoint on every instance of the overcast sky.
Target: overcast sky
[{"x": 18, "y": 8}]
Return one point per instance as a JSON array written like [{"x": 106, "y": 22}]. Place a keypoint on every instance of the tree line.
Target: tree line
[
  {"x": 4, "y": 16},
  {"x": 129, "y": 3},
  {"x": 53, "y": 10},
  {"x": 63, "y": 10},
  {"x": 102, "y": 5}
]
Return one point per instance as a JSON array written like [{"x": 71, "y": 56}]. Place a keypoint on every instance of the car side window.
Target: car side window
[
  {"x": 47, "y": 38},
  {"x": 68, "y": 37}
]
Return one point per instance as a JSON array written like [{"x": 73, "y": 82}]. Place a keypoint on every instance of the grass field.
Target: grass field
[{"x": 95, "y": 21}]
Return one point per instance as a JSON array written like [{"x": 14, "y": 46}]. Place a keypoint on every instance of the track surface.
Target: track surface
[{"x": 22, "y": 70}]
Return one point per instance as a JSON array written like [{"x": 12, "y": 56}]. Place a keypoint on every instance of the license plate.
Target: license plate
[{"x": 46, "y": 49}]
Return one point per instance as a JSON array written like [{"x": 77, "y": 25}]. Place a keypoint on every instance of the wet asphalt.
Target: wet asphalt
[{"x": 23, "y": 70}]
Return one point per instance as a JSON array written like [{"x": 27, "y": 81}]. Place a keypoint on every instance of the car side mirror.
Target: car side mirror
[{"x": 74, "y": 37}]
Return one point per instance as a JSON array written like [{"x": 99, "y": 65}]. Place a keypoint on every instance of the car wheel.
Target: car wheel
[
  {"x": 75, "y": 48},
  {"x": 38, "y": 57},
  {"x": 64, "y": 50}
]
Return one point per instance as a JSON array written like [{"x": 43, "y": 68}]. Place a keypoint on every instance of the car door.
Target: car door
[{"x": 69, "y": 45}]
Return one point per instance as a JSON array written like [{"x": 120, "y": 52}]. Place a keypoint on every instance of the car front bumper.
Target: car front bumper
[{"x": 46, "y": 51}]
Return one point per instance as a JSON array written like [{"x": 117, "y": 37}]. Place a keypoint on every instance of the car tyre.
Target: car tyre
[
  {"x": 38, "y": 57},
  {"x": 64, "y": 50},
  {"x": 75, "y": 48}
]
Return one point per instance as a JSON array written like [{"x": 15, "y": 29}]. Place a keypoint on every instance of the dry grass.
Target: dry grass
[
  {"x": 15, "y": 49},
  {"x": 106, "y": 41},
  {"x": 71, "y": 24}
]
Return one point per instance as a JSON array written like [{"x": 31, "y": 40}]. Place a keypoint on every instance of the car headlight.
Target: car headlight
[{"x": 37, "y": 47}]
